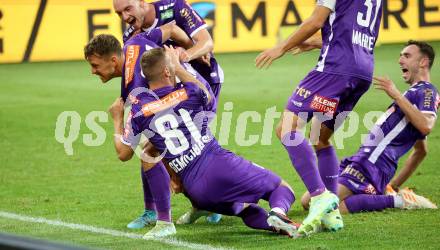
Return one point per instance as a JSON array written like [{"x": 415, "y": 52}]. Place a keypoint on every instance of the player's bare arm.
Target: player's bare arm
[
  {"x": 116, "y": 111},
  {"x": 415, "y": 158},
  {"x": 423, "y": 122},
  {"x": 314, "y": 42},
  {"x": 203, "y": 45},
  {"x": 181, "y": 72},
  {"x": 309, "y": 27},
  {"x": 172, "y": 31}
]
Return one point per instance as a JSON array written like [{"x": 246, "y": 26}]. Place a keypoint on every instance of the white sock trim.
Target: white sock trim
[
  {"x": 278, "y": 210},
  {"x": 398, "y": 201}
]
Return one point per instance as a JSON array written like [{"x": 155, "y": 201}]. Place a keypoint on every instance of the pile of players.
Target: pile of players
[{"x": 171, "y": 82}]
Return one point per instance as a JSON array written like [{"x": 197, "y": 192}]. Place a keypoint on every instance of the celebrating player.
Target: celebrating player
[
  {"x": 343, "y": 74},
  {"x": 215, "y": 179},
  {"x": 406, "y": 123},
  {"x": 108, "y": 61},
  {"x": 143, "y": 16}
]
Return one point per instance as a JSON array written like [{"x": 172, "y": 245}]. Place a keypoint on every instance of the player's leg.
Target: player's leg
[
  {"x": 280, "y": 201},
  {"x": 357, "y": 192},
  {"x": 328, "y": 163},
  {"x": 149, "y": 215},
  {"x": 303, "y": 158},
  {"x": 158, "y": 181},
  {"x": 328, "y": 166}
]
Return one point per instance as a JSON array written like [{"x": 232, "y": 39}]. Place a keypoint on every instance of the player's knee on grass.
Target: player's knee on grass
[
  {"x": 343, "y": 208},
  {"x": 343, "y": 192},
  {"x": 305, "y": 200}
]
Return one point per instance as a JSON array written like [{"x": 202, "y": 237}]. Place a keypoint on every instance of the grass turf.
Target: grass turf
[{"x": 92, "y": 187}]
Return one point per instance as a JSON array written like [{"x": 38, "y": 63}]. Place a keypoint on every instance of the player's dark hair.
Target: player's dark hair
[
  {"x": 425, "y": 49},
  {"x": 102, "y": 45},
  {"x": 152, "y": 63}
]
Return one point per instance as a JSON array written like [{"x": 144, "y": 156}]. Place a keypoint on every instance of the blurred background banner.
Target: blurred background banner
[{"x": 57, "y": 30}]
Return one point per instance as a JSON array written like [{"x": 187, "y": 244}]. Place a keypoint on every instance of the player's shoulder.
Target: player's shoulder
[
  {"x": 166, "y": 4},
  {"x": 139, "y": 98},
  {"x": 423, "y": 87}
]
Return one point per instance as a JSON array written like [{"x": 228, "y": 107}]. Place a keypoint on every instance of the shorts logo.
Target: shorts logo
[
  {"x": 323, "y": 104},
  {"x": 303, "y": 92},
  {"x": 349, "y": 170},
  {"x": 370, "y": 189},
  {"x": 131, "y": 56},
  {"x": 165, "y": 102},
  {"x": 298, "y": 104}
]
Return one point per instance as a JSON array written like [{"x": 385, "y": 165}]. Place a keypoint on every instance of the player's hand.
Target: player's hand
[
  {"x": 116, "y": 110},
  {"x": 385, "y": 84},
  {"x": 183, "y": 55},
  {"x": 173, "y": 54},
  {"x": 265, "y": 58},
  {"x": 206, "y": 59}
]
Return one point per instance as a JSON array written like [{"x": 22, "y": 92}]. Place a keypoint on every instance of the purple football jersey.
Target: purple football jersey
[
  {"x": 175, "y": 119},
  {"x": 349, "y": 36},
  {"x": 132, "y": 76},
  {"x": 190, "y": 22},
  {"x": 393, "y": 135}
]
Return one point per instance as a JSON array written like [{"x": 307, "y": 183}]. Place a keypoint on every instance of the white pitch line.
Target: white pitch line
[{"x": 115, "y": 233}]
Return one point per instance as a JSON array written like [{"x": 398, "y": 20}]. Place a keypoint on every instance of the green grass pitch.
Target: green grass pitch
[{"x": 92, "y": 187}]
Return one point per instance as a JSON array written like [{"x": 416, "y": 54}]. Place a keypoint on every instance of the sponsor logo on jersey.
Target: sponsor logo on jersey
[
  {"x": 131, "y": 56},
  {"x": 427, "y": 101},
  {"x": 165, "y": 102},
  {"x": 167, "y": 14},
  {"x": 186, "y": 14},
  {"x": 324, "y": 104}
]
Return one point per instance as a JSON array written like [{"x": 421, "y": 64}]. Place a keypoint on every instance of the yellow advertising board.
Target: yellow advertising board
[{"x": 47, "y": 30}]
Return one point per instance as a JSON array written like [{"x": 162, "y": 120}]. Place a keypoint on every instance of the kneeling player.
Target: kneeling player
[
  {"x": 174, "y": 118},
  {"x": 364, "y": 176}
]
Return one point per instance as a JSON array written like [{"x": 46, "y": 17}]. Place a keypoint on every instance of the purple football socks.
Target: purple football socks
[
  {"x": 159, "y": 184},
  {"x": 328, "y": 166},
  {"x": 365, "y": 202},
  {"x": 303, "y": 159}
]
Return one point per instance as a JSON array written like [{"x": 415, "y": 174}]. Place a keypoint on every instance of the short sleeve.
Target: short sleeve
[
  {"x": 331, "y": 4},
  {"x": 426, "y": 99},
  {"x": 154, "y": 35},
  {"x": 132, "y": 133},
  {"x": 188, "y": 19},
  {"x": 128, "y": 33}
]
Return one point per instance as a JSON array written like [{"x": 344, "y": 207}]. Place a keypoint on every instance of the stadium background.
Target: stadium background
[
  {"x": 91, "y": 187},
  {"x": 49, "y": 30}
]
